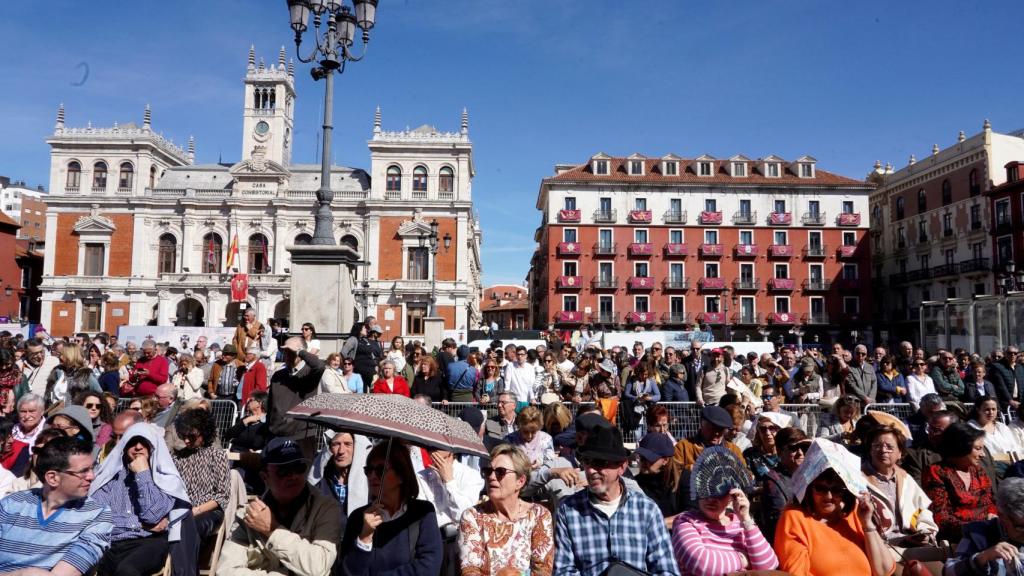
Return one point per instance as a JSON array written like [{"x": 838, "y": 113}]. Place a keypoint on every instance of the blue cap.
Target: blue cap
[
  {"x": 283, "y": 451},
  {"x": 655, "y": 446}
]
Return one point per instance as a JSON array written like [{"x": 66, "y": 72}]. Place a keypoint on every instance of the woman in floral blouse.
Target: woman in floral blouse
[
  {"x": 505, "y": 534},
  {"x": 959, "y": 488}
]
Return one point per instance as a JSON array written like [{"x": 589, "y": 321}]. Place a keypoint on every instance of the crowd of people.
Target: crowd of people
[{"x": 112, "y": 462}]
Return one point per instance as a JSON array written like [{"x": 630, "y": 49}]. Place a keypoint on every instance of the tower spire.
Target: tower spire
[
  {"x": 376, "y": 121},
  {"x": 465, "y": 121},
  {"x": 262, "y": 66},
  {"x": 252, "y": 57},
  {"x": 60, "y": 116},
  {"x": 191, "y": 149},
  {"x": 291, "y": 67},
  {"x": 280, "y": 59},
  {"x": 147, "y": 118}
]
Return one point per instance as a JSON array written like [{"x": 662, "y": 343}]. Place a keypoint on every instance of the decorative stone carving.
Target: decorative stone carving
[
  {"x": 262, "y": 295},
  {"x": 164, "y": 295}
]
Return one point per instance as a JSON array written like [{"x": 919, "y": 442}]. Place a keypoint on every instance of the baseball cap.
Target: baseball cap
[
  {"x": 655, "y": 446},
  {"x": 282, "y": 451}
]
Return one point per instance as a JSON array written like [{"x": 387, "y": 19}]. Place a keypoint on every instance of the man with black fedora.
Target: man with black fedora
[
  {"x": 714, "y": 423},
  {"x": 608, "y": 525}
]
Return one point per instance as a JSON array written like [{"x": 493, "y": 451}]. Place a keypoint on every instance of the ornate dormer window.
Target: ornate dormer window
[
  {"x": 805, "y": 167},
  {"x": 635, "y": 165},
  {"x": 772, "y": 167},
  {"x": 670, "y": 165},
  {"x": 738, "y": 166},
  {"x": 704, "y": 166},
  {"x": 600, "y": 164}
]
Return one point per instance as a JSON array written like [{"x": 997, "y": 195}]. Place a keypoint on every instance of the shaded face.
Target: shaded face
[
  {"x": 713, "y": 435},
  {"x": 390, "y": 482},
  {"x": 137, "y": 447},
  {"x": 148, "y": 352},
  {"x": 602, "y": 474},
  {"x": 936, "y": 426},
  {"x": 35, "y": 355},
  {"x": 766, "y": 431},
  {"x": 976, "y": 454},
  {"x": 1013, "y": 524},
  {"x": 500, "y": 479},
  {"x": 193, "y": 439},
  {"x": 135, "y": 405},
  {"x": 65, "y": 425},
  {"x": 712, "y": 508},
  {"x": 848, "y": 411},
  {"x": 885, "y": 451},
  {"x": 827, "y": 496},
  {"x": 979, "y": 373},
  {"x": 528, "y": 434},
  {"x": 906, "y": 349},
  {"x": 793, "y": 455},
  {"x": 29, "y": 415},
  {"x": 342, "y": 447},
  {"x": 251, "y": 357},
  {"x": 285, "y": 481},
  {"x": 92, "y": 406},
  {"x": 661, "y": 425}
]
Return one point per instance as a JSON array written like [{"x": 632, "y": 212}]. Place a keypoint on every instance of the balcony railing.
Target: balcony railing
[
  {"x": 745, "y": 250},
  {"x": 817, "y": 285},
  {"x": 675, "y": 284},
  {"x": 569, "y": 249},
  {"x": 974, "y": 265},
  {"x": 604, "y": 216},
  {"x": 708, "y": 284},
  {"x": 711, "y": 250},
  {"x": 569, "y": 216},
  {"x": 569, "y": 317},
  {"x": 641, "y": 249},
  {"x": 675, "y": 217},
  {"x": 780, "y": 251},
  {"x": 569, "y": 282},
  {"x": 781, "y": 318},
  {"x": 604, "y": 318},
  {"x": 675, "y": 250},
  {"x": 847, "y": 251},
  {"x": 818, "y": 319},
  {"x": 780, "y": 218},
  {"x": 604, "y": 283},
  {"x": 918, "y": 275},
  {"x": 848, "y": 284},
  {"x": 848, "y": 219},
  {"x": 712, "y": 318},
  {"x": 945, "y": 270},
  {"x": 781, "y": 284},
  {"x": 813, "y": 219},
  {"x": 605, "y": 249},
  {"x": 636, "y": 317},
  {"x": 640, "y": 283},
  {"x": 815, "y": 251},
  {"x": 744, "y": 318},
  {"x": 710, "y": 217},
  {"x": 746, "y": 284},
  {"x": 640, "y": 216},
  {"x": 744, "y": 217},
  {"x": 669, "y": 318}
]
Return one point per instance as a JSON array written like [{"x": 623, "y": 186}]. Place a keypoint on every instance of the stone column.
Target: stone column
[
  {"x": 321, "y": 292},
  {"x": 187, "y": 250},
  {"x": 163, "y": 311},
  {"x": 263, "y": 305}
]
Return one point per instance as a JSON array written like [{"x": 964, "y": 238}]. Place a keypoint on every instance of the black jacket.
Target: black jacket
[
  {"x": 1003, "y": 380},
  {"x": 287, "y": 391},
  {"x": 368, "y": 355},
  {"x": 674, "y": 391}
]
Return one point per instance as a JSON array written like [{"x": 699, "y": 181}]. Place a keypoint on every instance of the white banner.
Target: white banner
[{"x": 181, "y": 337}]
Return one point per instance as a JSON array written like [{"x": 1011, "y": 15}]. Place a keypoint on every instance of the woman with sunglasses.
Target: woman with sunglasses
[
  {"x": 99, "y": 412},
  {"x": 763, "y": 455},
  {"x": 832, "y": 529},
  {"x": 396, "y": 530},
  {"x": 505, "y": 533},
  {"x": 309, "y": 338},
  {"x": 918, "y": 381},
  {"x": 777, "y": 485},
  {"x": 340, "y": 377}
]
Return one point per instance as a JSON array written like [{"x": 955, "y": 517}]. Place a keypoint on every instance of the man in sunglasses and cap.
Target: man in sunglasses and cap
[
  {"x": 606, "y": 524},
  {"x": 291, "y": 529},
  {"x": 714, "y": 423}
]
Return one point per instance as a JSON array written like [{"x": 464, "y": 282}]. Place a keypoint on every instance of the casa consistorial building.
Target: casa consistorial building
[{"x": 138, "y": 233}]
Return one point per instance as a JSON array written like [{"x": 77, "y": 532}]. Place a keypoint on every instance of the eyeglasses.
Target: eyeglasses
[
  {"x": 768, "y": 429},
  {"x": 919, "y": 364},
  {"x": 63, "y": 428},
  {"x": 834, "y": 489},
  {"x": 549, "y": 361},
  {"x": 656, "y": 349},
  {"x": 346, "y": 363},
  {"x": 498, "y": 472},
  {"x": 377, "y": 470},
  {"x": 80, "y": 474},
  {"x": 599, "y": 464},
  {"x": 92, "y": 405},
  {"x": 767, "y": 397},
  {"x": 797, "y": 448},
  {"x": 881, "y": 447}
]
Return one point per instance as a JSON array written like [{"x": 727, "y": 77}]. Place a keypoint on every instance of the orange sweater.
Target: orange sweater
[{"x": 809, "y": 547}]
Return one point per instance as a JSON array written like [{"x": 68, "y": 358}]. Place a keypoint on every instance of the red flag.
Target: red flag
[
  {"x": 211, "y": 256},
  {"x": 239, "y": 287},
  {"x": 233, "y": 252},
  {"x": 266, "y": 258}
]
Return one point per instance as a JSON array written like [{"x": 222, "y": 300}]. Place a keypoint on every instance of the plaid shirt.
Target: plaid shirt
[{"x": 586, "y": 541}]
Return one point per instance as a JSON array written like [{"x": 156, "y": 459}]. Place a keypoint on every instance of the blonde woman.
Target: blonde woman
[
  {"x": 189, "y": 379},
  {"x": 71, "y": 377}
]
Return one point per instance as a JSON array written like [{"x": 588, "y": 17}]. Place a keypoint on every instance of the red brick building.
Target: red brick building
[
  {"x": 1007, "y": 209},
  {"x": 507, "y": 306},
  {"x": 10, "y": 273},
  {"x": 749, "y": 248}
]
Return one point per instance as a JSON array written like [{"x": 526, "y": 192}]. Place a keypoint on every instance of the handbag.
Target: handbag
[{"x": 620, "y": 568}]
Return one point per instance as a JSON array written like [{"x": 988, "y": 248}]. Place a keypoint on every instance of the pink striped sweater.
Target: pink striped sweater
[{"x": 705, "y": 548}]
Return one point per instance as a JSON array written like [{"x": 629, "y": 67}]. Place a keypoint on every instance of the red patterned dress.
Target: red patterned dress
[
  {"x": 955, "y": 504},
  {"x": 491, "y": 545}
]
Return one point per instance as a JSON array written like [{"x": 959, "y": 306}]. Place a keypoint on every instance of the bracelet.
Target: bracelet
[{"x": 872, "y": 529}]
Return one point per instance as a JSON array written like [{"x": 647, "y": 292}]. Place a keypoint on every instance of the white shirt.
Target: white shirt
[
  {"x": 519, "y": 379},
  {"x": 918, "y": 387},
  {"x": 1001, "y": 441},
  {"x": 451, "y": 499},
  {"x": 567, "y": 365},
  {"x": 37, "y": 376}
]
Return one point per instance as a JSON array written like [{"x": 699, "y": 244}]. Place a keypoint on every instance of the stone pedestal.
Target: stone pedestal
[
  {"x": 321, "y": 293},
  {"x": 433, "y": 332}
]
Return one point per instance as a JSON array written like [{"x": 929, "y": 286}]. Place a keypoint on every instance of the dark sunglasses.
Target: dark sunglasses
[
  {"x": 92, "y": 405},
  {"x": 767, "y": 396},
  {"x": 498, "y": 472},
  {"x": 797, "y": 448},
  {"x": 599, "y": 464},
  {"x": 377, "y": 470},
  {"x": 834, "y": 489},
  {"x": 290, "y": 469}
]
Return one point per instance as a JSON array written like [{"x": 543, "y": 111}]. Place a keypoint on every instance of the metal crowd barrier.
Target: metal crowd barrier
[{"x": 225, "y": 413}]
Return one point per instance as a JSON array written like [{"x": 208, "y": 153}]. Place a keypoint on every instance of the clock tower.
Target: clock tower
[{"x": 269, "y": 110}]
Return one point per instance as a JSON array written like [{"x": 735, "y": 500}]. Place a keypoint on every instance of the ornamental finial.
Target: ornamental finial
[
  {"x": 252, "y": 56},
  {"x": 60, "y": 116}
]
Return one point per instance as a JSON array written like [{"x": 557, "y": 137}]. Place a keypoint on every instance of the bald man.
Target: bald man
[{"x": 122, "y": 422}]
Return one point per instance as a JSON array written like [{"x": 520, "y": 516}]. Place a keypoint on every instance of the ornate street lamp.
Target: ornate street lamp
[
  {"x": 429, "y": 240},
  {"x": 333, "y": 50}
]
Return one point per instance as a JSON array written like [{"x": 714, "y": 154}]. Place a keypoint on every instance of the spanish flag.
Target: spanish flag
[{"x": 233, "y": 252}]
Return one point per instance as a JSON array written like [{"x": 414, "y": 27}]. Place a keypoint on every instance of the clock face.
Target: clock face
[{"x": 262, "y": 128}]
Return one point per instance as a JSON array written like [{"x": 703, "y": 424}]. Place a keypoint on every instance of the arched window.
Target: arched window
[
  {"x": 166, "y": 255},
  {"x": 419, "y": 179},
  {"x": 213, "y": 251},
  {"x": 350, "y": 241},
  {"x": 972, "y": 181},
  {"x": 922, "y": 200},
  {"x": 446, "y": 180},
  {"x": 74, "y": 175},
  {"x": 900, "y": 208},
  {"x": 99, "y": 176},
  {"x": 259, "y": 254},
  {"x": 303, "y": 240},
  {"x": 126, "y": 177},
  {"x": 947, "y": 193},
  {"x": 152, "y": 177},
  {"x": 394, "y": 179}
]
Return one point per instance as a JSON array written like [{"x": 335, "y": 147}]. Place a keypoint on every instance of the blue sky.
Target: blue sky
[{"x": 545, "y": 81}]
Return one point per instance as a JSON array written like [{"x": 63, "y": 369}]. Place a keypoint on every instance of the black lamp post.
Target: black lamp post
[
  {"x": 1013, "y": 279},
  {"x": 333, "y": 50},
  {"x": 430, "y": 240}
]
